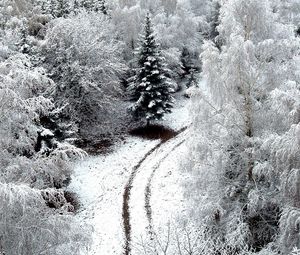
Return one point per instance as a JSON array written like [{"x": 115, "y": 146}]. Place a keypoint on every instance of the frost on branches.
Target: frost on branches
[
  {"x": 29, "y": 165},
  {"x": 151, "y": 88},
  {"x": 244, "y": 159},
  {"x": 29, "y": 227},
  {"x": 83, "y": 58}
]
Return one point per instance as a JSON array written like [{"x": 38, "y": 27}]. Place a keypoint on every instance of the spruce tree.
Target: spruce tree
[{"x": 150, "y": 88}]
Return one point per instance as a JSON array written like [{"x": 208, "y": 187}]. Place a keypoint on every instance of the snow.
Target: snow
[
  {"x": 142, "y": 84},
  {"x": 168, "y": 203},
  {"x": 160, "y": 111},
  {"x": 99, "y": 182},
  {"x": 151, "y": 104},
  {"x": 165, "y": 200},
  {"x": 150, "y": 58},
  {"x": 180, "y": 113},
  {"x": 47, "y": 133}
]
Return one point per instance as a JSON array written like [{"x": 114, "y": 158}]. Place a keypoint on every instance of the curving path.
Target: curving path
[
  {"x": 142, "y": 168},
  {"x": 126, "y": 197},
  {"x": 148, "y": 189}
]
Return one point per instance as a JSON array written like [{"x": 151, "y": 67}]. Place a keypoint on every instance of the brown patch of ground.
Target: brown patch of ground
[
  {"x": 97, "y": 146},
  {"x": 153, "y": 132}
]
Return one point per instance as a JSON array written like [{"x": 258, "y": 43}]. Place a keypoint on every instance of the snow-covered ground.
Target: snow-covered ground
[{"x": 99, "y": 182}]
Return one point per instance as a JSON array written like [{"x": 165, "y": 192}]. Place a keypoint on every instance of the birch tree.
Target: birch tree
[{"x": 240, "y": 195}]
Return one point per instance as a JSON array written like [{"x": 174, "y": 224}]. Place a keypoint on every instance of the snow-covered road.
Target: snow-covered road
[
  {"x": 139, "y": 201},
  {"x": 101, "y": 182}
]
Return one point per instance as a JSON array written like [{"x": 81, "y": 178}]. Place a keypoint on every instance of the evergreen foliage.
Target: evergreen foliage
[{"x": 151, "y": 88}]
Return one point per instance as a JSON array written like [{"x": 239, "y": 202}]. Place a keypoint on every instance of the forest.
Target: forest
[{"x": 150, "y": 127}]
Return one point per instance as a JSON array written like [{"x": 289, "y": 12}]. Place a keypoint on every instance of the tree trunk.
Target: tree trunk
[{"x": 249, "y": 131}]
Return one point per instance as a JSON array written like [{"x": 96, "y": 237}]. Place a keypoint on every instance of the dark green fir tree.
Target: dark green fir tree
[{"x": 150, "y": 88}]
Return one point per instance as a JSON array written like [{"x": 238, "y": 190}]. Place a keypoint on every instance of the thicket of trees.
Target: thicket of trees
[
  {"x": 83, "y": 57},
  {"x": 33, "y": 162},
  {"x": 244, "y": 161},
  {"x": 66, "y": 69}
]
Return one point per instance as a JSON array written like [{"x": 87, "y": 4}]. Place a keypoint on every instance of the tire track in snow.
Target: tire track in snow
[
  {"x": 148, "y": 192},
  {"x": 126, "y": 198},
  {"x": 127, "y": 192}
]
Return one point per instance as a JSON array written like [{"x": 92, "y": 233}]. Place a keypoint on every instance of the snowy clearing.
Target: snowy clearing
[{"x": 99, "y": 182}]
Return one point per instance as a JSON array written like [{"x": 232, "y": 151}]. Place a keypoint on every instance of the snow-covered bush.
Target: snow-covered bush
[
  {"x": 22, "y": 90},
  {"x": 28, "y": 226}
]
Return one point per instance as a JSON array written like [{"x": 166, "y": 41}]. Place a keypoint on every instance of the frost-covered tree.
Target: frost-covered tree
[
  {"x": 240, "y": 157},
  {"x": 214, "y": 22},
  {"x": 22, "y": 111},
  {"x": 28, "y": 224},
  {"x": 289, "y": 11},
  {"x": 24, "y": 44},
  {"x": 199, "y": 7},
  {"x": 83, "y": 59},
  {"x": 151, "y": 88},
  {"x": 128, "y": 24},
  {"x": 183, "y": 31},
  {"x": 176, "y": 25},
  {"x": 57, "y": 8},
  {"x": 30, "y": 227}
]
